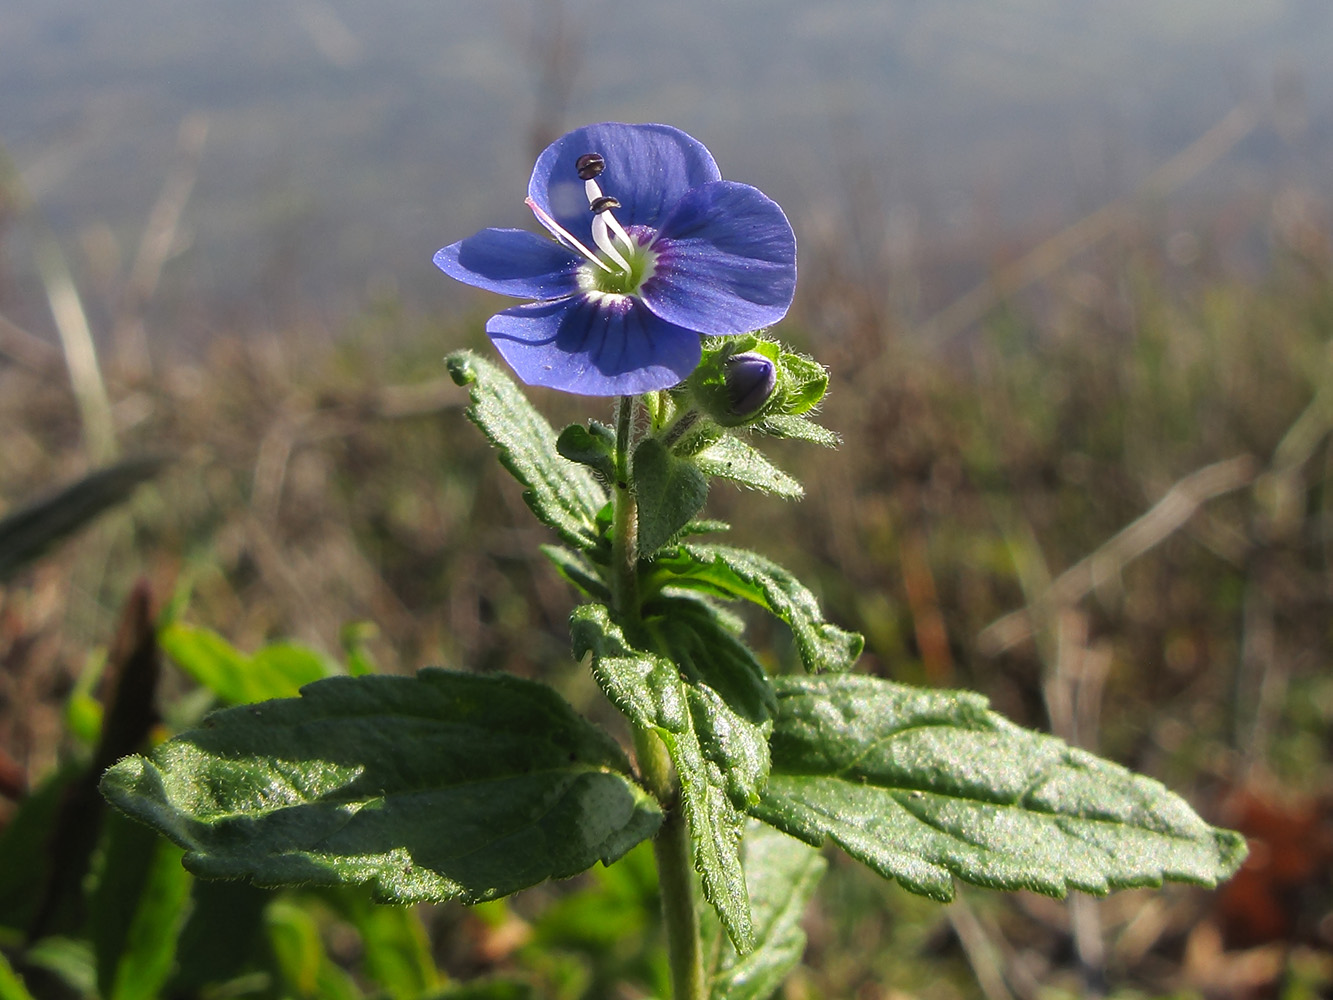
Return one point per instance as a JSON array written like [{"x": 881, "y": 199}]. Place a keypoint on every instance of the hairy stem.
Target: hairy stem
[{"x": 671, "y": 847}]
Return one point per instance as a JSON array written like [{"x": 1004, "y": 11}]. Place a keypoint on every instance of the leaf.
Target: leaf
[
  {"x": 276, "y": 671},
  {"x": 923, "y": 786},
  {"x": 782, "y": 874},
  {"x": 440, "y": 786},
  {"x": 670, "y": 492},
  {"x": 737, "y": 574},
  {"x": 647, "y": 688},
  {"x": 781, "y": 425},
  {"x": 578, "y": 571},
  {"x": 136, "y": 910},
  {"x": 394, "y": 945},
  {"x": 593, "y": 446},
  {"x": 805, "y": 381},
  {"x": 301, "y": 957},
  {"x": 12, "y": 986},
  {"x": 27, "y": 533},
  {"x": 731, "y": 458},
  {"x": 563, "y": 494}
]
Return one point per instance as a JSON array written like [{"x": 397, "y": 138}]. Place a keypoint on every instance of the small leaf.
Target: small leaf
[
  {"x": 563, "y": 494},
  {"x": 805, "y": 381},
  {"x": 12, "y": 986},
  {"x": 276, "y": 671},
  {"x": 736, "y": 574},
  {"x": 578, "y": 571},
  {"x": 593, "y": 446},
  {"x": 670, "y": 491},
  {"x": 924, "y": 786},
  {"x": 800, "y": 428},
  {"x": 440, "y": 786},
  {"x": 647, "y": 688},
  {"x": 731, "y": 458},
  {"x": 782, "y": 874}
]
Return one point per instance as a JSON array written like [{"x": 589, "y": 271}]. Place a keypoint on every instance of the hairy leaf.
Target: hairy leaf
[
  {"x": 670, "y": 492},
  {"x": 731, "y": 458},
  {"x": 563, "y": 494},
  {"x": 579, "y": 571},
  {"x": 782, "y": 425},
  {"x": 736, "y": 574},
  {"x": 648, "y": 689},
  {"x": 593, "y": 446},
  {"x": 924, "y": 786},
  {"x": 782, "y": 874},
  {"x": 440, "y": 786}
]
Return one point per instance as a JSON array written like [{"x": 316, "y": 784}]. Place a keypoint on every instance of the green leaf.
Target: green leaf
[
  {"x": 782, "y": 874},
  {"x": 800, "y": 428},
  {"x": 731, "y": 458},
  {"x": 309, "y": 972},
  {"x": 593, "y": 446},
  {"x": 395, "y": 948},
  {"x": 670, "y": 491},
  {"x": 12, "y": 986},
  {"x": 136, "y": 910},
  {"x": 222, "y": 939},
  {"x": 276, "y": 671},
  {"x": 804, "y": 380},
  {"x": 924, "y": 786},
  {"x": 27, "y": 533},
  {"x": 579, "y": 571},
  {"x": 737, "y": 574},
  {"x": 440, "y": 786},
  {"x": 648, "y": 689},
  {"x": 563, "y": 494}
]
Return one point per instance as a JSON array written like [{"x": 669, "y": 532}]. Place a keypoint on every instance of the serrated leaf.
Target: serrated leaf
[
  {"x": 670, "y": 491},
  {"x": 782, "y": 874},
  {"x": 731, "y": 458},
  {"x": 579, "y": 571},
  {"x": 647, "y": 688},
  {"x": 800, "y": 428},
  {"x": 737, "y": 574},
  {"x": 925, "y": 786},
  {"x": 440, "y": 786},
  {"x": 563, "y": 494}
]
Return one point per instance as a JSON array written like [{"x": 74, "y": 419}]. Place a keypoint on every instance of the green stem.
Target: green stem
[{"x": 671, "y": 847}]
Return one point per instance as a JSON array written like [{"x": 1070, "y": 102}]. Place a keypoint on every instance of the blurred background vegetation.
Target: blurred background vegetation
[{"x": 1070, "y": 267}]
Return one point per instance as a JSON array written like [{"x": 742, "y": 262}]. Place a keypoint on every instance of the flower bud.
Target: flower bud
[{"x": 750, "y": 379}]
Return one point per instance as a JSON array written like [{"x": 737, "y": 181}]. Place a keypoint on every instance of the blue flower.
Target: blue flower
[{"x": 652, "y": 251}]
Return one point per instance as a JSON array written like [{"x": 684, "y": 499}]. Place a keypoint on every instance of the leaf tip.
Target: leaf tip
[{"x": 460, "y": 368}]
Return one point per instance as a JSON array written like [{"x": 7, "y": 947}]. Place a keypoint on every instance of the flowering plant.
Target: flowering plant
[{"x": 453, "y": 785}]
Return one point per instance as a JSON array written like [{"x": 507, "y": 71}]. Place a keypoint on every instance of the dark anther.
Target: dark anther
[
  {"x": 604, "y": 203},
  {"x": 589, "y": 165}
]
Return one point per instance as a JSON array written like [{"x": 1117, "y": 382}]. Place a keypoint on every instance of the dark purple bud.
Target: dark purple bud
[
  {"x": 589, "y": 165},
  {"x": 750, "y": 379},
  {"x": 604, "y": 203}
]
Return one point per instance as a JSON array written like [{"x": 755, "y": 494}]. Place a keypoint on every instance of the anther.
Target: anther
[
  {"x": 603, "y": 204},
  {"x": 589, "y": 165}
]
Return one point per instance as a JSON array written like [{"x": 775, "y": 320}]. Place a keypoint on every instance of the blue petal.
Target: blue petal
[
  {"x": 594, "y": 345},
  {"x": 726, "y": 261},
  {"x": 512, "y": 262},
  {"x": 648, "y": 169}
]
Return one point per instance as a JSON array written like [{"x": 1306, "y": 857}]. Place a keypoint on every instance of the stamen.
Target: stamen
[
  {"x": 588, "y": 167},
  {"x": 603, "y": 239},
  {"x": 564, "y": 235}
]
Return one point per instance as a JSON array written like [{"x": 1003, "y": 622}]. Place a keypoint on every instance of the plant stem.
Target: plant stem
[{"x": 671, "y": 846}]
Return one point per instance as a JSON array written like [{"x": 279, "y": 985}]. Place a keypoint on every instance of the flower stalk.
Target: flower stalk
[{"x": 671, "y": 846}]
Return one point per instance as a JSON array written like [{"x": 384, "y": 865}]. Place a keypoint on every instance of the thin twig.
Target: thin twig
[{"x": 1163, "y": 519}]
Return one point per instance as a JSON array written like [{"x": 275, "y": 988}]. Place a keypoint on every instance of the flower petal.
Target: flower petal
[
  {"x": 648, "y": 169},
  {"x": 594, "y": 345},
  {"x": 512, "y": 262},
  {"x": 726, "y": 261}
]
